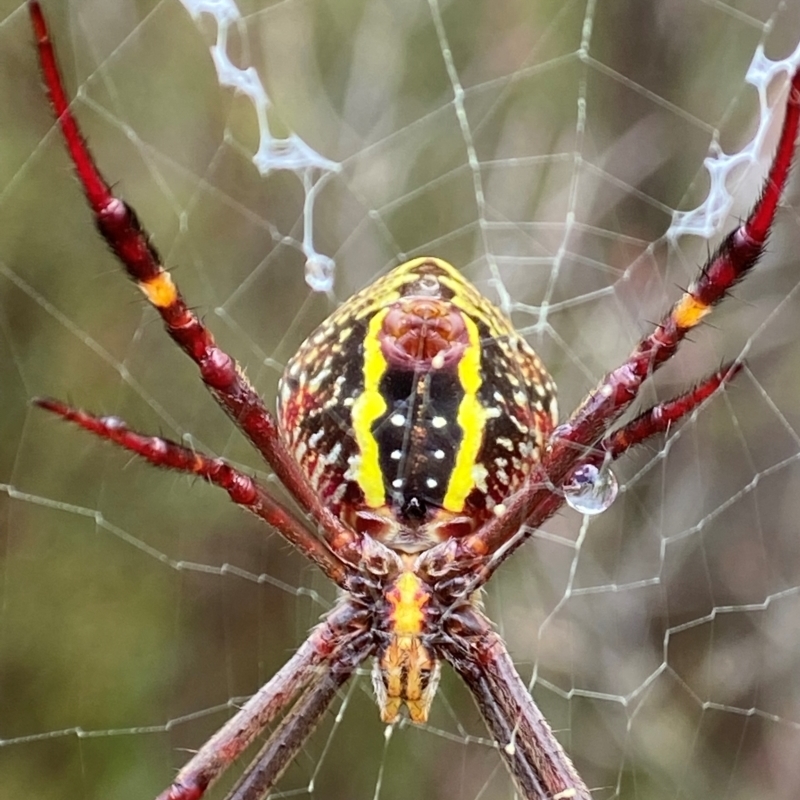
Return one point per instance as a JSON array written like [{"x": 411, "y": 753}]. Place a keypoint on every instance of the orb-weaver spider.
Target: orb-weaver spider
[{"x": 417, "y": 430}]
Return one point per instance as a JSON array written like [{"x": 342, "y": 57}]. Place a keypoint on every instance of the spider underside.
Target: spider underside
[{"x": 393, "y": 419}]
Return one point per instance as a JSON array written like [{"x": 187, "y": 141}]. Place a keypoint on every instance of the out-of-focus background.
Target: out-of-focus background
[{"x": 137, "y": 607}]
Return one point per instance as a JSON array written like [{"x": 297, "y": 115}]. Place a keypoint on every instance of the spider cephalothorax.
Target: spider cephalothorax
[{"x": 416, "y": 433}]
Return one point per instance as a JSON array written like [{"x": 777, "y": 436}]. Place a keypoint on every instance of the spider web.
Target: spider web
[{"x": 555, "y": 151}]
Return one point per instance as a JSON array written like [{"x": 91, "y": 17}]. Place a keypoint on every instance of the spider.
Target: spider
[{"x": 418, "y": 433}]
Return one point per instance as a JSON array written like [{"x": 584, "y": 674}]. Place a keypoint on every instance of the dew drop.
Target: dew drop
[{"x": 590, "y": 489}]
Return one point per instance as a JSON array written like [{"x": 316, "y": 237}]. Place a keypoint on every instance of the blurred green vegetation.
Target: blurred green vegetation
[{"x": 124, "y": 636}]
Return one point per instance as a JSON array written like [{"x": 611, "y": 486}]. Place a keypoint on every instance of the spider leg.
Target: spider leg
[
  {"x": 534, "y": 757},
  {"x": 242, "y": 489},
  {"x": 572, "y": 442},
  {"x": 289, "y": 737},
  {"x": 662, "y": 416},
  {"x": 121, "y": 229},
  {"x": 298, "y": 725},
  {"x": 735, "y": 257},
  {"x": 325, "y": 656}
]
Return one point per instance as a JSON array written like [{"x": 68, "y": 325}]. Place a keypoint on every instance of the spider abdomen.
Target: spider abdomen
[{"x": 416, "y": 409}]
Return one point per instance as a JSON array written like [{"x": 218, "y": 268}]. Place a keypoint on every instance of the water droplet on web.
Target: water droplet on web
[{"x": 590, "y": 489}]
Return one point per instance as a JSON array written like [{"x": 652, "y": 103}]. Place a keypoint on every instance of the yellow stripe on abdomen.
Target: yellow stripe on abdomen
[
  {"x": 471, "y": 419},
  {"x": 369, "y": 406}
]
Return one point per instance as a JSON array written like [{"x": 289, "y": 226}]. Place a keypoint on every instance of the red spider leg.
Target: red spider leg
[
  {"x": 569, "y": 443},
  {"x": 298, "y": 725},
  {"x": 655, "y": 420},
  {"x": 122, "y": 231},
  {"x": 662, "y": 416},
  {"x": 534, "y": 757},
  {"x": 241, "y": 488},
  {"x": 319, "y": 655},
  {"x": 287, "y": 740}
]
